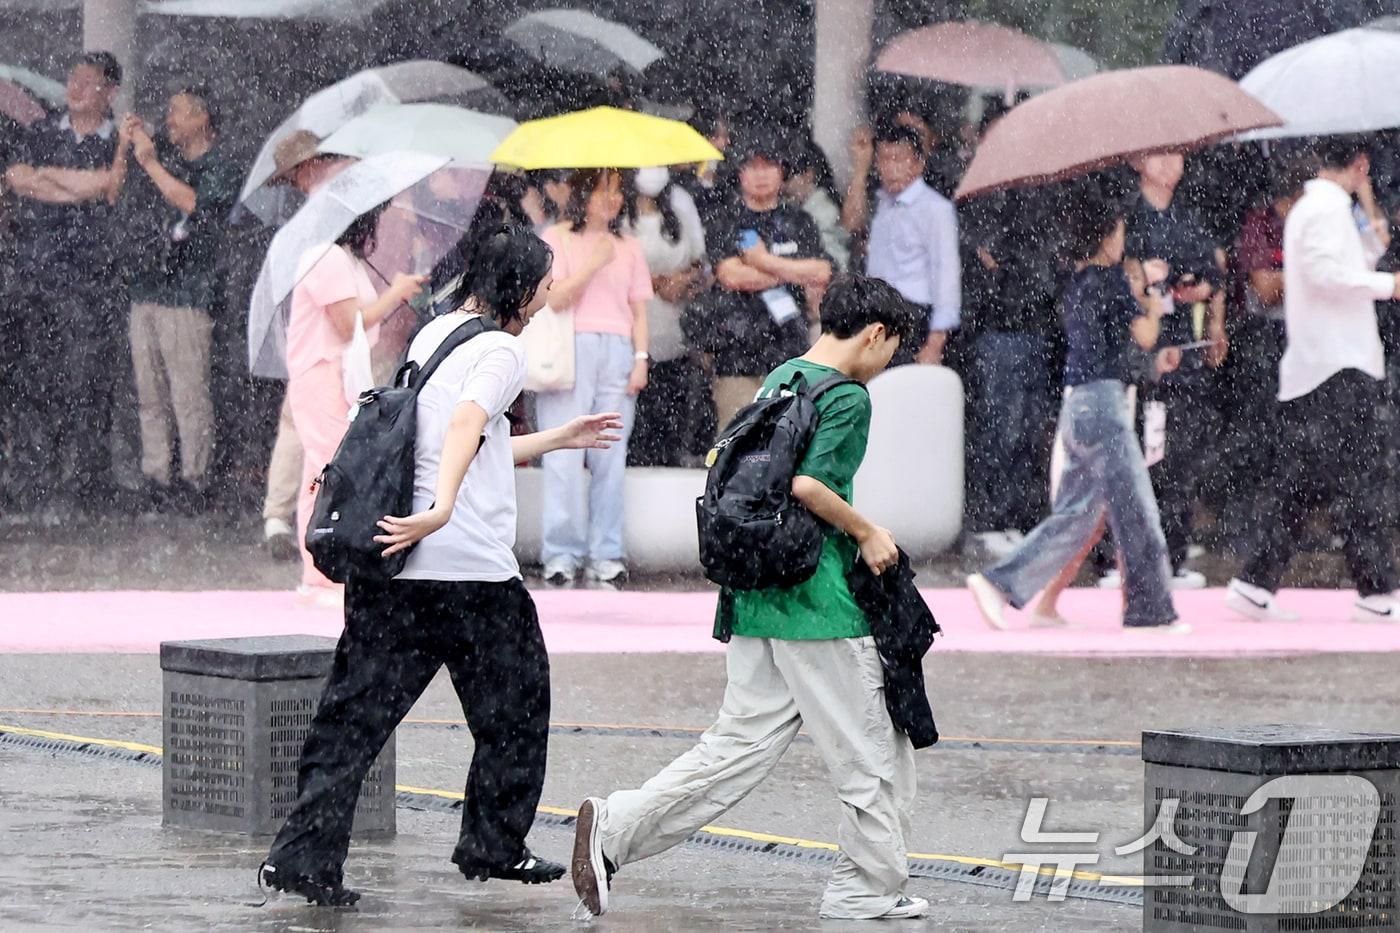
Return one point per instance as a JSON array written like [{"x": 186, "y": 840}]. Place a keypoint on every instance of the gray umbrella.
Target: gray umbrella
[
  {"x": 331, "y": 108},
  {"x": 430, "y": 206},
  {"x": 576, "y": 40}
]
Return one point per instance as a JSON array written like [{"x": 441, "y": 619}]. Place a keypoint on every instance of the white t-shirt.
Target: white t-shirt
[{"x": 476, "y": 542}]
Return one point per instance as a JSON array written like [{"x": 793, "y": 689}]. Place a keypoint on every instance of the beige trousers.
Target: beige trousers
[
  {"x": 733, "y": 393},
  {"x": 170, "y": 361},
  {"x": 835, "y": 688}
]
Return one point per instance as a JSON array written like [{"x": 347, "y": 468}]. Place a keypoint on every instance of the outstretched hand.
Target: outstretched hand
[{"x": 591, "y": 432}]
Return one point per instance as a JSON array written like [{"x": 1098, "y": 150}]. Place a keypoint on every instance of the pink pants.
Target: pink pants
[{"x": 320, "y": 413}]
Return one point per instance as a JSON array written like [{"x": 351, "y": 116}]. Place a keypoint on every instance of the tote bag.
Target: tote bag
[{"x": 549, "y": 351}]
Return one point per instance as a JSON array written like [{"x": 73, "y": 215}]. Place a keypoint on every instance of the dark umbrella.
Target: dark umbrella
[{"x": 1106, "y": 120}]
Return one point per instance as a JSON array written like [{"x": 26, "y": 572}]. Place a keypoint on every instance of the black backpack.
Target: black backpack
[
  {"x": 371, "y": 474},
  {"x": 753, "y": 533}
]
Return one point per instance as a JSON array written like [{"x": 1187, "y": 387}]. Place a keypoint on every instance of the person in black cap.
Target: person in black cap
[{"x": 770, "y": 273}]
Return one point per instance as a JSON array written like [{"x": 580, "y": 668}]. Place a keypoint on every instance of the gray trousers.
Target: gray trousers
[
  {"x": 1103, "y": 471},
  {"x": 833, "y": 687}
]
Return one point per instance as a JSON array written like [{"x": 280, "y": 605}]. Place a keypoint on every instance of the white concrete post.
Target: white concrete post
[
  {"x": 843, "y": 50},
  {"x": 110, "y": 26}
]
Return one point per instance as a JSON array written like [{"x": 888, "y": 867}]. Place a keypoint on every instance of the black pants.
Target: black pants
[
  {"x": 1331, "y": 451},
  {"x": 1193, "y": 425},
  {"x": 397, "y": 635},
  {"x": 69, "y": 348}
]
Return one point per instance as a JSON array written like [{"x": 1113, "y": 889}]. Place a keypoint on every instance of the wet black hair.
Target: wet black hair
[
  {"x": 902, "y": 134},
  {"x": 505, "y": 264},
  {"x": 853, "y": 302},
  {"x": 1288, "y": 174},
  {"x": 707, "y": 120},
  {"x": 582, "y": 184},
  {"x": 1090, "y": 216},
  {"x": 756, "y": 143},
  {"x": 1340, "y": 151},
  {"x": 104, "y": 62},
  {"x": 358, "y": 238},
  {"x": 200, "y": 92}
]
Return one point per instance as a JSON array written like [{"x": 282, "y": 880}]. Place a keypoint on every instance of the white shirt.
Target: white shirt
[
  {"x": 1329, "y": 291},
  {"x": 476, "y": 542},
  {"x": 665, "y": 257}
]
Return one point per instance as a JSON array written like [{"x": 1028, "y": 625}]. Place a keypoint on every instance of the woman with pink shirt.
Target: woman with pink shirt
[
  {"x": 325, "y": 303},
  {"x": 601, "y": 276}
]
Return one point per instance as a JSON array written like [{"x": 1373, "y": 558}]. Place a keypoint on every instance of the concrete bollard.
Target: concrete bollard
[
  {"x": 1271, "y": 828},
  {"x": 236, "y": 712}
]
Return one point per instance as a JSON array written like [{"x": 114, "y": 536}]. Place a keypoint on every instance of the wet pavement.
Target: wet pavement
[{"x": 85, "y": 849}]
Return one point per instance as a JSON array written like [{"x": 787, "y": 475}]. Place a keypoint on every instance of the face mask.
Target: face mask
[{"x": 652, "y": 181}]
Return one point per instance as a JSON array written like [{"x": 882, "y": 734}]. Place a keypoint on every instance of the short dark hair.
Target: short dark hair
[
  {"x": 582, "y": 184},
  {"x": 1341, "y": 151},
  {"x": 199, "y": 92},
  {"x": 1090, "y": 216},
  {"x": 902, "y": 134},
  {"x": 853, "y": 302},
  {"x": 104, "y": 62},
  {"x": 755, "y": 143},
  {"x": 505, "y": 264},
  {"x": 707, "y": 120},
  {"x": 1288, "y": 175}
]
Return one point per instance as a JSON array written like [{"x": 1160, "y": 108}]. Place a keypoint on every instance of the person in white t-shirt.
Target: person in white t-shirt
[
  {"x": 1331, "y": 387},
  {"x": 459, "y": 601}
]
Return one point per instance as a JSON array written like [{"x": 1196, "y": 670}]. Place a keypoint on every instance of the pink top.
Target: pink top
[
  {"x": 605, "y": 305},
  {"x": 334, "y": 277}
]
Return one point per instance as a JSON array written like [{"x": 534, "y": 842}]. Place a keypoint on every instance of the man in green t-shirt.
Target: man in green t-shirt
[{"x": 801, "y": 656}]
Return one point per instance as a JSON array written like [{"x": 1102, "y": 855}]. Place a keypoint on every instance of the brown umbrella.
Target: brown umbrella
[
  {"x": 1108, "y": 119},
  {"x": 974, "y": 54}
]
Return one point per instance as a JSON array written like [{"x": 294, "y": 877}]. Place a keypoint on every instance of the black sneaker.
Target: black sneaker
[
  {"x": 590, "y": 865},
  {"x": 529, "y": 870},
  {"x": 316, "y": 892}
]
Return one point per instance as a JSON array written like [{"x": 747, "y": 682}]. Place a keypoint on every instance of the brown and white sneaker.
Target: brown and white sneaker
[{"x": 591, "y": 870}]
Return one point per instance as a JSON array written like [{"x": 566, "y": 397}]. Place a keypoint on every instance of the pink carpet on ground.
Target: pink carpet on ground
[{"x": 599, "y": 621}]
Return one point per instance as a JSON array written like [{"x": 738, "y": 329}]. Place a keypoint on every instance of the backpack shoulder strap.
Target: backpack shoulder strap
[
  {"x": 464, "y": 332},
  {"x": 822, "y": 386}
]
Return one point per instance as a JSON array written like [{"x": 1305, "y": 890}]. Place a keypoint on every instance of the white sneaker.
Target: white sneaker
[
  {"x": 1113, "y": 580},
  {"x": 999, "y": 544},
  {"x": 1383, "y": 608},
  {"x": 1185, "y": 579},
  {"x": 1171, "y": 628},
  {"x": 990, "y": 601},
  {"x": 1043, "y": 620},
  {"x": 607, "y": 571},
  {"x": 1255, "y": 603},
  {"x": 908, "y": 908},
  {"x": 560, "y": 572}
]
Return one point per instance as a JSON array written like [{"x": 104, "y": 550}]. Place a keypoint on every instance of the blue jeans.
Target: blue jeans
[
  {"x": 575, "y": 530},
  {"x": 1013, "y": 407},
  {"x": 1103, "y": 470}
]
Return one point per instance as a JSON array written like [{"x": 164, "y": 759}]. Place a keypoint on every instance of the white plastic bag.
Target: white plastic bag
[
  {"x": 356, "y": 369},
  {"x": 549, "y": 351}
]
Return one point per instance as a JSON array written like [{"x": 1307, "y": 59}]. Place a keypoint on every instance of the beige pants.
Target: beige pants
[
  {"x": 170, "y": 360},
  {"x": 733, "y": 393},
  {"x": 835, "y": 688}
]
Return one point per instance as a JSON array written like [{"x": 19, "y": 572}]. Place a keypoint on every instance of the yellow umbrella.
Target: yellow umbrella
[{"x": 603, "y": 137}]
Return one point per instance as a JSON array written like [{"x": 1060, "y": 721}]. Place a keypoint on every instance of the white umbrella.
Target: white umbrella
[
  {"x": 1339, "y": 83},
  {"x": 429, "y": 208},
  {"x": 331, "y": 108},
  {"x": 1075, "y": 62},
  {"x": 576, "y": 40},
  {"x": 464, "y": 136},
  {"x": 48, "y": 90},
  {"x": 331, "y": 10}
]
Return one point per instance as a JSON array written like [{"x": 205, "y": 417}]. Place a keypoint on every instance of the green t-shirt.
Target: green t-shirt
[{"x": 823, "y": 606}]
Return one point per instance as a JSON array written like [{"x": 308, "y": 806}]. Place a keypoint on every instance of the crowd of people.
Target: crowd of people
[{"x": 686, "y": 286}]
